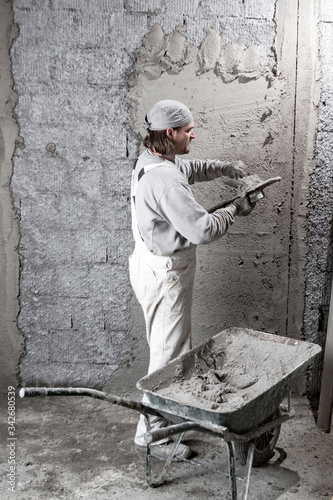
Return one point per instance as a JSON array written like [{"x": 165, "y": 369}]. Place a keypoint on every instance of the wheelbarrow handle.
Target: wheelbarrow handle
[{"x": 83, "y": 391}]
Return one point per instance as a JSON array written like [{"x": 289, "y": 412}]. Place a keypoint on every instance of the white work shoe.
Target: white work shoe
[{"x": 162, "y": 451}]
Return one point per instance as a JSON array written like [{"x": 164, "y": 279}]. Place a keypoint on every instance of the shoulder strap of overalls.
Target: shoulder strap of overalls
[
  {"x": 144, "y": 170},
  {"x": 134, "y": 184}
]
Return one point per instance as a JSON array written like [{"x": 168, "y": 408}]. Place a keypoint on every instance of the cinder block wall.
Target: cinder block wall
[
  {"x": 85, "y": 73},
  {"x": 70, "y": 184}
]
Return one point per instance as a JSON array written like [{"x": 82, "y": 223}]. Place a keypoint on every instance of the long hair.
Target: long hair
[{"x": 157, "y": 140}]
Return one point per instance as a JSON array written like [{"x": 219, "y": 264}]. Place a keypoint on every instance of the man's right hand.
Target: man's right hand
[{"x": 243, "y": 205}]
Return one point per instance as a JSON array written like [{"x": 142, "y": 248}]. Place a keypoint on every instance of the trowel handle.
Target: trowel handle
[{"x": 254, "y": 196}]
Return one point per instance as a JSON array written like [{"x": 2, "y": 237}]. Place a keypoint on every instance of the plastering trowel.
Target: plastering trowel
[{"x": 255, "y": 193}]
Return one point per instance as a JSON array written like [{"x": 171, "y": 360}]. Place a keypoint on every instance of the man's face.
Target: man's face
[{"x": 181, "y": 139}]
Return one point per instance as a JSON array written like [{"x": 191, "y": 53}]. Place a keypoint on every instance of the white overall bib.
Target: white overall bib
[{"x": 163, "y": 287}]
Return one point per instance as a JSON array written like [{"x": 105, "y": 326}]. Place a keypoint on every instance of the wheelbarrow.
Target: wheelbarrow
[{"x": 231, "y": 387}]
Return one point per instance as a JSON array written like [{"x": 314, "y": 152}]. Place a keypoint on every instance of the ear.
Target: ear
[{"x": 170, "y": 133}]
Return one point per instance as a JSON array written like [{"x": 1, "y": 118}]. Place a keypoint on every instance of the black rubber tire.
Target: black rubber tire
[{"x": 264, "y": 444}]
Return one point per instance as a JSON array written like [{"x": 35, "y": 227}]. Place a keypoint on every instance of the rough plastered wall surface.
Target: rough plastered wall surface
[
  {"x": 85, "y": 73},
  {"x": 235, "y": 100},
  {"x": 320, "y": 230},
  {"x": 10, "y": 338}
]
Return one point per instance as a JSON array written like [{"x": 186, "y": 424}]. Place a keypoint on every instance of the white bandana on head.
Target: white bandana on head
[{"x": 168, "y": 113}]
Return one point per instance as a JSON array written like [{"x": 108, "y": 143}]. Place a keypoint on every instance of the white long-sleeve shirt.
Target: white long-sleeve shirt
[{"x": 169, "y": 218}]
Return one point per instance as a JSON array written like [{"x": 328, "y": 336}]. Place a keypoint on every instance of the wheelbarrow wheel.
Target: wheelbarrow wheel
[{"x": 263, "y": 445}]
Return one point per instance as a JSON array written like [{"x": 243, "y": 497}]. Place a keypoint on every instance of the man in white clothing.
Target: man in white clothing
[{"x": 167, "y": 225}]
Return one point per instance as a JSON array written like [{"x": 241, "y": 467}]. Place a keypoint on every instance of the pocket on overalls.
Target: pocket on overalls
[
  {"x": 180, "y": 286},
  {"x": 146, "y": 279}
]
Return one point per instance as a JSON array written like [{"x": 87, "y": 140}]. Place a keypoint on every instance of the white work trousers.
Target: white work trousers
[{"x": 164, "y": 288}]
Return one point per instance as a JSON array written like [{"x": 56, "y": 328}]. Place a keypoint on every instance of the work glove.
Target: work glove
[
  {"x": 234, "y": 170},
  {"x": 243, "y": 205}
]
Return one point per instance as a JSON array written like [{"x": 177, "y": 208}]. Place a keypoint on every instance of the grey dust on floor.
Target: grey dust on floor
[{"x": 71, "y": 448}]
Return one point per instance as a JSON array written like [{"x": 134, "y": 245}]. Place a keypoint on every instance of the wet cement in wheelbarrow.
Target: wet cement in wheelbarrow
[{"x": 232, "y": 371}]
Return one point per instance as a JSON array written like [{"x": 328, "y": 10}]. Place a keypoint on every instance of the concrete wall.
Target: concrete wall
[
  {"x": 320, "y": 230},
  {"x": 85, "y": 74},
  {"x": 10, "y": 339}
]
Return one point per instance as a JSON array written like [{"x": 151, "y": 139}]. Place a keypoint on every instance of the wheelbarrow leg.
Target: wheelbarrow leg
[
  {"x": 232, "y": 472},
  {"x": 154, "y": 484},
  {"x": 169, "y": 460},
  {"x": 148, "y": 455},
  {"x": 248, "y": 469}
]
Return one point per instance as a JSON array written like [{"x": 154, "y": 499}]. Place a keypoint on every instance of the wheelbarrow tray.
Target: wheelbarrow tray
[{"x": 271, "y": 364}]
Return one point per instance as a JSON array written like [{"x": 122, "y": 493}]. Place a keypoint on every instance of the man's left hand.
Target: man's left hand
[{"x": 234, "y": 170}]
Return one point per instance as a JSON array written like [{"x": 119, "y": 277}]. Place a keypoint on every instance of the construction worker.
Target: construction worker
[{"x": 167, "y": 225}]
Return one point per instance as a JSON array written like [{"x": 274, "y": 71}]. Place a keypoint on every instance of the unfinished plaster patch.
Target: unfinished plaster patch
[
  {"x": 160, "y": 53},
  {"x": 239, "y": 61},
  {"x": 210, "y": 80},
  {"x": 170, "y": 53},
  {"x": 210, "y": 50}
]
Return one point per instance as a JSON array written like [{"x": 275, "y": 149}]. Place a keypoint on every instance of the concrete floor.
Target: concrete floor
[{"x": 71, "y": 448}]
